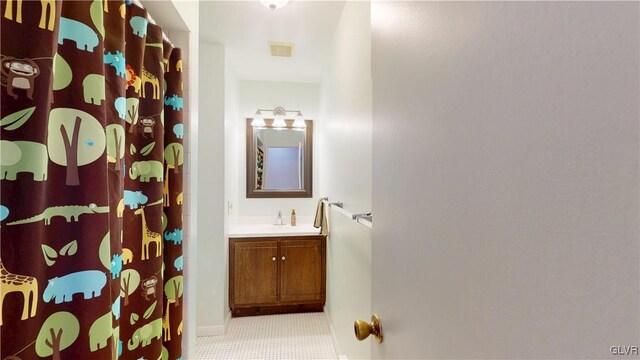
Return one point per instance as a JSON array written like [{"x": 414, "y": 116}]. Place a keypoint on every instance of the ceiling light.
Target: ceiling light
[
  {"x": 299, "y": 121},
  {"x": 274, "y": 4},
  {"x": 258, "y": 121}
]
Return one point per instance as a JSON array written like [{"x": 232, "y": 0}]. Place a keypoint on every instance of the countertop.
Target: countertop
[{"x": 260, "y": 230}]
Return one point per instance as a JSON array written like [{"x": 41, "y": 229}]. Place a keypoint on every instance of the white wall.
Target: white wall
[
  {"x": 233, "y": 160},
  {"x": 219, "y": 153},
  {"x": 344, "y": 138},
  {"x": 212, "y": 255},
  {"x": 268, "y": 95},
  {"x": 506, "y": 179},
  {"x": 232, "y": 153}
]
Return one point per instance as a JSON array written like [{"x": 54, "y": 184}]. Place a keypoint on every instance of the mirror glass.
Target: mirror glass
[{"x": 278, "y": 160}]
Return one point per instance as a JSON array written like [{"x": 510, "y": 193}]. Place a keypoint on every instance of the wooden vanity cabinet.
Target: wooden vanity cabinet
[
  {"x": 273, "y": 275},
  {"x": 255, "y": 279}
]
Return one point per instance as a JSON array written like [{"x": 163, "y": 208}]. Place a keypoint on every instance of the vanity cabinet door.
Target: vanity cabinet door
[
  {"x": 255, "y": 272},
  {"x": 302, "y": 271}
]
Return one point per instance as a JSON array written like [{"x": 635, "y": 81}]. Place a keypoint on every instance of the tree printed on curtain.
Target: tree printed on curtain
[{"x": 90, "y": 183}]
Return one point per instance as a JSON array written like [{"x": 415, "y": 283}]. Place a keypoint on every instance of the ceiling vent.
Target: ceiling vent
[{"x": 281, "y": 49}]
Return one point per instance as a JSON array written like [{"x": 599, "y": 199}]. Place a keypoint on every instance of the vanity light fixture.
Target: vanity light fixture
[
  {"x": 279, "y": 114},
  {"x": 258, "y": 121},
  {"x": 274, "y": 4}
]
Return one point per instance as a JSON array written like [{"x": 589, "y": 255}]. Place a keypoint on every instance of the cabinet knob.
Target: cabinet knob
[
  {"x": 283, "y": 258},
  {"x": 273, "y": 258}
]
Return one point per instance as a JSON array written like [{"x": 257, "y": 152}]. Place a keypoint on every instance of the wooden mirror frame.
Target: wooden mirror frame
[{"x": 307, "y": 190}]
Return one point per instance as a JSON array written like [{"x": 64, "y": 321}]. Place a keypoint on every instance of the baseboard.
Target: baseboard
[
  {"x": 214, "y": 330},
  {"x": 334, "y": 339}
]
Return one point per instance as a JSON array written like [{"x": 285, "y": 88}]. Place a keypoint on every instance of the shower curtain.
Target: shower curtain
[{"x": 91, "y": 197}]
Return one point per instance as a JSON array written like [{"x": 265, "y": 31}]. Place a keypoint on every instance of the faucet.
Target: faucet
[{"x": 279, "y": 219}]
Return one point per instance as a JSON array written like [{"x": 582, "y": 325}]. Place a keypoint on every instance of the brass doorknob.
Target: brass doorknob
[{"x": 364, "y": 329}]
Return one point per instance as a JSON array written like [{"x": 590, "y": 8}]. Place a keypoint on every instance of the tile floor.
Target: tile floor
[{"x": 288, "y": 336}]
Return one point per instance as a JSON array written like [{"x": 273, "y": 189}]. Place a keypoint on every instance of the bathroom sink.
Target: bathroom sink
[{"x": 257, "y": 230}]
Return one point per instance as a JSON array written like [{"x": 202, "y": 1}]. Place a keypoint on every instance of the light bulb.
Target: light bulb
[
  {"x": 258, "y": 121},
  {"x": 278, "y": 122},
  {"x": 299, "y": 121}
]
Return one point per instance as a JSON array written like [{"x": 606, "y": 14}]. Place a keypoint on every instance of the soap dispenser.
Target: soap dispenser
[{"x": 293, "y": 217}]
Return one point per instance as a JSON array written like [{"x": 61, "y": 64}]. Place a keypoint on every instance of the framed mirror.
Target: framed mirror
[{"x": 279, "y": 160}]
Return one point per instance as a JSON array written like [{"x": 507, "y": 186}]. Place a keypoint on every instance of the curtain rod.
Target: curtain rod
[{"x": 152, "y": 20}]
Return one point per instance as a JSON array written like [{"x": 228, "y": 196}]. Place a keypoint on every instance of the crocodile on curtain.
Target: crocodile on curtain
[{"x": 90, "y": 183}]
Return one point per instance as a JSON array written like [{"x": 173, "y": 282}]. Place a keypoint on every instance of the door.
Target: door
[
  {"x": 302, "y": 269},
  {"x": 505, "y": 179},
  {"x": 255, "y": 270}
]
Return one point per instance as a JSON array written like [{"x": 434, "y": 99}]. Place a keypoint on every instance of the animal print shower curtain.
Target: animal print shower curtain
[{"x": 91, "y": 160}]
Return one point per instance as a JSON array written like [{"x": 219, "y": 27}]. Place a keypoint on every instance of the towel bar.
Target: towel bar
[
  {"x": 366, "y": 216},
  {"x": 365, "y": 219}
]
